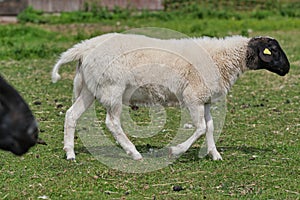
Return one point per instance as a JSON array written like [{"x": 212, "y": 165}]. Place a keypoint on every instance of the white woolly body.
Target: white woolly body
[
  {"x": 158, "y": 70},
  {"x": 134, "y": 69}
]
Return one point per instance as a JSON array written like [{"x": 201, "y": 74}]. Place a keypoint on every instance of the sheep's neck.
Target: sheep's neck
[{"x": 231, "y": 64}]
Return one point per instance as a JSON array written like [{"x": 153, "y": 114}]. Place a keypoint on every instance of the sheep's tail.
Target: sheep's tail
[
  {"x": 73, "y": 54},
  {"x": 77, "y": 52},
  {"x": 55, "y": 74}
]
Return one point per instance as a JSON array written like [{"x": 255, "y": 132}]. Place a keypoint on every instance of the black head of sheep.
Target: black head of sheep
[
  {"x": 18, "y": 127},
  {"x": 266, "y": 53}
]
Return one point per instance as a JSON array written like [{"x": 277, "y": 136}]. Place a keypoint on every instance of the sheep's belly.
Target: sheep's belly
[{"x": 151, "y": 95}]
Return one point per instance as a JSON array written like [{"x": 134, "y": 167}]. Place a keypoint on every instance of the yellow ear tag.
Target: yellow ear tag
[{"x": 267, "y": 51}]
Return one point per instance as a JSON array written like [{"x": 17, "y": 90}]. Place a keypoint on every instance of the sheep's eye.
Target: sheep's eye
[{"x": 275, "y": 50}]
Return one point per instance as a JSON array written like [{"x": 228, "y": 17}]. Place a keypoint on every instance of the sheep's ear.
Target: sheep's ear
[
  {"x": 265, "y": 54},
  {"x": 10, "y": 98}
]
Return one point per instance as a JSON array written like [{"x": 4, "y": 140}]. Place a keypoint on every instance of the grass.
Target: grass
[{"x": 259, "y": 142}]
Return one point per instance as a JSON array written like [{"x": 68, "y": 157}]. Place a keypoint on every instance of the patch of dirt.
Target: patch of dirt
[
  {"x": 86, "y": 29},
  {"x": 297, "y": 63},
  {"x": 8, "y": 20}
]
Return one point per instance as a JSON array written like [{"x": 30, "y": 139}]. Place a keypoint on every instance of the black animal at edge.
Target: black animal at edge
[{"x": 18, "y": 127}]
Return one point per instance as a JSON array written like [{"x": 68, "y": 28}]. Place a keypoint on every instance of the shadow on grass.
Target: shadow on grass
[
  {"x": 159, "y": 151},
  {"x": 244, "y": 149}
]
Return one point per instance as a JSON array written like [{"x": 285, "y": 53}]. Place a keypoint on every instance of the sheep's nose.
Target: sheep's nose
[{"x": 33, "y": 131}]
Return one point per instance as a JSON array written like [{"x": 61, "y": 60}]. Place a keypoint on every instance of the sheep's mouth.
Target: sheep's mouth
[
  {"x": 19, "y": 142},
  {"x": 283, "y": 73},
  {"x": 279, "y": 71},
  {"x": 21, "y": 146}
]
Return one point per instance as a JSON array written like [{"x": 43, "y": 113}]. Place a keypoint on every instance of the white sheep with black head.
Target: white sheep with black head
[{"x": 109, "y": 70}]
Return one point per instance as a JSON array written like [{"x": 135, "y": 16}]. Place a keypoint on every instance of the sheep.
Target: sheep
[
  {"x": 18, "y": 127},
  {"x": 134, "y": 69}
]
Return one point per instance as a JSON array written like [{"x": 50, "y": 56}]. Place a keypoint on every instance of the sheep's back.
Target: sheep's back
[{"x": 133, "y": 62}]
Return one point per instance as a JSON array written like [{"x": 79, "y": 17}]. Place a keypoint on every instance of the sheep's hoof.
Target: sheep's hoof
[
  {"x": 137, "y": 157},
  {"x": 70, "y": 153},
  {"x": 188, "y": 126},
  {"x": 215, "y": 155},
  {"x": 71, "y": 159},
  {"x": 218, "y": 158},
  {"x": 175, "y": 151}
]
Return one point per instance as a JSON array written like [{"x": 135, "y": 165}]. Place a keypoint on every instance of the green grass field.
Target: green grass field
[{"x": 259, "y": 142}]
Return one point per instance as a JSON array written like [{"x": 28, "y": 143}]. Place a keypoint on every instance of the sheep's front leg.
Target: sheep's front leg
[
  {"x": 114, "y": 125},
  {"x": 82, "y": 103},
  {"x": 211, "y": 146},
  {"x": 197, "y": 114}
]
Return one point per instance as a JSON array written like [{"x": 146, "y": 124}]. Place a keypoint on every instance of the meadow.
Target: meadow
[{"x": 259, "y": 141}]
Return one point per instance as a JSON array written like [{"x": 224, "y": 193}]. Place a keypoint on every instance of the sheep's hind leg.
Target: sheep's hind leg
[
  {"x": 211, "y": 146},
  {"x": 197, "y": 114},
  {"x": 78, "y": 83},
  {"x": 114, "y": 125},
  {"x": 82, "y": 103}
]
